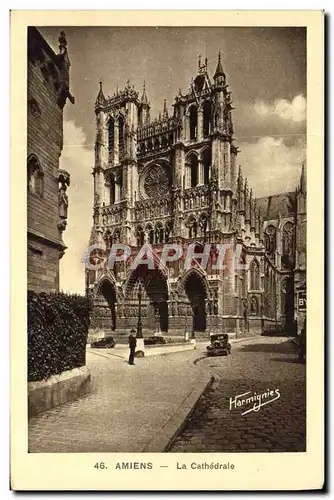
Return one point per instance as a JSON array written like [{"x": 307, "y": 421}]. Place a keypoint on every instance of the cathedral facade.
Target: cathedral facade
[{"x": 176, "y": 180}]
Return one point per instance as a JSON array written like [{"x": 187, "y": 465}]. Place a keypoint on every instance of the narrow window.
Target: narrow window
[
  {"x": 206, "y": 118},
  {"x": 193, "y": 122},
  {"x": 111, "y": 140},
  {"x": 35, "y": 176},
  {"x": 121, "y": 136}
]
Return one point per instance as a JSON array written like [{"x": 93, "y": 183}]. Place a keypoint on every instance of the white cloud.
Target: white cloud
[
  {"x": 78, "y": 161},
  {"x": 271, "y": 166},
  {"x": 294, "y": 111}
]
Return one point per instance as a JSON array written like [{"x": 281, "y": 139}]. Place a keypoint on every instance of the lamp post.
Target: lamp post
[
  {"x": 140, "y": 339},
  {"x": 139, "y": 323},
  {"x": 157, "y": 320}
]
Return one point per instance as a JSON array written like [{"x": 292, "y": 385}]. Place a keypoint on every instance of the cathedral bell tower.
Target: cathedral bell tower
[
  {"x": 101, "y": 162},
  {"x": 115, "y": 170},
  {"x": 224, "y": 153}
]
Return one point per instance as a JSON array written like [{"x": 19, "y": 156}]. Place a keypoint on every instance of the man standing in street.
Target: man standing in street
[{"x": 132, "y": 345}]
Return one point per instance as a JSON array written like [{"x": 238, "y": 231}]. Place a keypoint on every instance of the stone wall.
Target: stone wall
[
  {"x": 43, "y": 268},
  {"x": 57, "y": 390},
  {"x": 44, "y": 145}
]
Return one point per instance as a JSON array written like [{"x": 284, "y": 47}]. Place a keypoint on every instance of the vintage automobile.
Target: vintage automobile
[
  {"x": 104, "y": 342},
  {"x": 219, "y": 345},
  {"x": 157, "y": 339}
]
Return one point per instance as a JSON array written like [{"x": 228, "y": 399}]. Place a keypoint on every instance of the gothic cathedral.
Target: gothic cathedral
[{"x": 175, "y": 179}]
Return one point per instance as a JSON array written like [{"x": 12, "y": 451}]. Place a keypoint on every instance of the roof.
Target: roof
[
  {"x": 36, "y": 38},
  {"x": 219, "y": 70},
  {"x": 282, "y": 205}
]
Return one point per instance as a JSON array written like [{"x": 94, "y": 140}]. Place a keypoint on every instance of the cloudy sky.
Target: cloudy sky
[{"x": 266, "y": 72}]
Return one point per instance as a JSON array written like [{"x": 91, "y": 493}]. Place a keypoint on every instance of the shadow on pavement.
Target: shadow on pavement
[
  {"x": 284, "y": 347},
  {"x": 288, "y": 360}
]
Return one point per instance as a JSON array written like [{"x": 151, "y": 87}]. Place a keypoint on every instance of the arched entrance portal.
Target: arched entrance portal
[
  {"x": 156, "y": 288},
  {"x": 196, "y": 292},
  {"x": 104, "y": 312},
  {"x": 154, "y": 299}
]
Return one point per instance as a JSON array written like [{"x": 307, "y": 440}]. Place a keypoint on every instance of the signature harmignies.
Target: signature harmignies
[{"x": 253, "y": 398}]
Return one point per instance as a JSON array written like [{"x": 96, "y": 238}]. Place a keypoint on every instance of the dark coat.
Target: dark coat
[{"x": 132, "y": 342}]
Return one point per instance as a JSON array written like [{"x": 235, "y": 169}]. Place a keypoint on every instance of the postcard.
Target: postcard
[{"x": 167, "y": 327}]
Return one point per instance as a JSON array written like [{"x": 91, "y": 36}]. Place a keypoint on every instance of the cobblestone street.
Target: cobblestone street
[{"x": 255, "y": 366}]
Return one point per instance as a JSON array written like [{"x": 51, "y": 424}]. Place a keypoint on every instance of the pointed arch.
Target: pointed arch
[
  {"x": 192, "y": 169},
  {"x": 105, "y": 299},
  {"x": 106, "y": 277},
  {"x": 254, "y": 306},
  {"x": 194, "y": 285},
  {"x": 154, "y": 292},
  {"x": 120, "y": 122},
  {"x": 270, "y": 241},
  {"x": 111, "y": 139},
  {"x": 207, "y": 113},
  {"x": 254, "y": 270},
  {"x": 288, "y": 245},
  {"x": 193, "y": 122},
  {"x": 35, "y": 176},
  {"x": 111, "y": 191},
  {"x": 206, "y": 161},
  {"x": 199, "y": 271}
]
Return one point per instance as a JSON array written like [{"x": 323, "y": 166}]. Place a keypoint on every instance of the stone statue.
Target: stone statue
[
  {"x": 63, "y": 201},
  {"x": 210, "y": 306},
  {"x": 63, "y": 206}
]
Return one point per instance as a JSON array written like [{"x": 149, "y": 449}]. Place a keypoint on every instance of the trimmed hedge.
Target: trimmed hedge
[{"x": 57, "y": 333}]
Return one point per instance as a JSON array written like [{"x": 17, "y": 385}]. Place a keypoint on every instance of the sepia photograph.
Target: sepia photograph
[
  {"x": 166, "y": 206},
  {"x": 148, "y": 159}
]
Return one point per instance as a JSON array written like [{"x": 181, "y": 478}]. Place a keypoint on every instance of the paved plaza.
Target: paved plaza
[
  {"x": 130, "y": 408},
  {"x": 136, "y": 409},
  {"x": 280, "y": 426}
]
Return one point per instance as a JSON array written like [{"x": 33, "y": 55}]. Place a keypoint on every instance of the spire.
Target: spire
[
  {"x": 240, "y": 180},
  {"x": 165, "y": 113},
  {"x": 239, "y": 171},
  {"x": 302, "y": 185},
  {"x": 219, "y": 69},
  {"x": 144, "y": 99},
  {"x": 247, "y": 201},
  {"x": 100, "y": 96}
]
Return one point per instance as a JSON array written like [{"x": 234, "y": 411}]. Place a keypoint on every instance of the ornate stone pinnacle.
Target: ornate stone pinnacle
[{"x": 62, "y": 42}]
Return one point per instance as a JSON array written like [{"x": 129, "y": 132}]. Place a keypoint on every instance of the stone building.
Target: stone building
[
  {"x": 47, "y": 202},
  {"x": 175, "y": 179}
]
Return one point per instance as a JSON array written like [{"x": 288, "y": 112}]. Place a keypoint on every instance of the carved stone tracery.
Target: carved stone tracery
[{"x": 156, "y": 182}]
